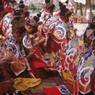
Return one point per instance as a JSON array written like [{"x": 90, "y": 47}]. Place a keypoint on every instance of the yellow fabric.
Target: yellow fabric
[
  {"x": 68, "y": 79},
  {"x": 54, "y": 55},
  {"x": 72, "y": 33},
  {"x": 23, "y": 84},
  {"x": 77, "y": 60},
  {"x": 67, "y": 75}
]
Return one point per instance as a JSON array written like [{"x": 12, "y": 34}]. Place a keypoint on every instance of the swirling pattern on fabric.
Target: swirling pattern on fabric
[
  {"x": 6, "y": 24},
  {"x": 12, "y": 46},
  {"x": 63, "y": 90},
  {"x": 27, "y": 42},
  {"x": 57, "y": 25}
]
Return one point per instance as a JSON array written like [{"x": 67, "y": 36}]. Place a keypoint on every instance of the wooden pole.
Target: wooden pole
[
  {"x": 90, "y": 6},
  {"x": 88, "y": 3}
]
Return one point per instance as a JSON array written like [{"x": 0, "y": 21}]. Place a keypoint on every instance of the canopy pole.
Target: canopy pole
[{"x": 88, "y": 2}]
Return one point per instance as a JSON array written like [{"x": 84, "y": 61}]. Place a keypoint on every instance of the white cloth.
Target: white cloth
[
  {"x": 80, "y": 28},
  {"x": 80, "y": 1}
]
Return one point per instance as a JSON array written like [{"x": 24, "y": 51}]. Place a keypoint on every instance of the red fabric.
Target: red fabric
[
  {"x": 76, "y": 86},
  {"x": 80, "y": 49},
  {"x": 38, "y": 63},
  {"x": 5, "y": 86},
  {"x": 7, "y": 7},
  {"x": 51, "y": 91},
  {"x": 63, "y": 18},
  {"x": 37, "y": 52},
  {"x": 63, "y": 61},
  {"x": 84, "y": 89},
  {"x": 52, "y": 46}
]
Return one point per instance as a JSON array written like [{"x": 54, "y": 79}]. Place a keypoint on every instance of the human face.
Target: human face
[{"x": 16, "y": 34}]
